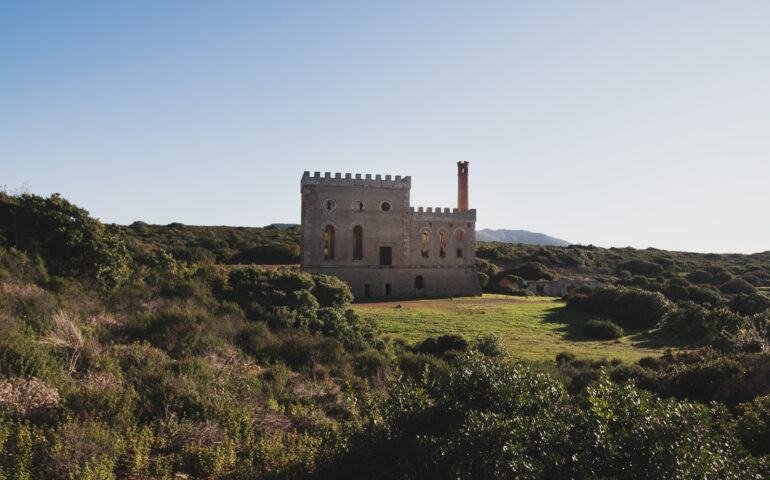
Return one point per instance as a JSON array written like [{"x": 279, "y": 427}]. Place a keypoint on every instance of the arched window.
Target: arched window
[
  {"x": 419, "y": 282},
  {"x": 425, "y": 242},
  {"x": 459, "y": 235},
  {"x": 329, "y": 242},
  {"x": 358, "y": 242},
  {"x": 442, "y": 243}
]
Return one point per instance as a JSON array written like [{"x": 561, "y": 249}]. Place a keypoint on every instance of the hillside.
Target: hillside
[
  {"x": 518, "y": 236},
  {"x": 157, "y": 352}
]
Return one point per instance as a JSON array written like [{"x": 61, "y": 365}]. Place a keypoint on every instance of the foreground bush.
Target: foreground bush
[{"x": 491, "y": 420}]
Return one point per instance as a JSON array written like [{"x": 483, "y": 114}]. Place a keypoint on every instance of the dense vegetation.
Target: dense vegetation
[
  {"x": 146, "y": 352},
  {"x": 217, "y": 245}
]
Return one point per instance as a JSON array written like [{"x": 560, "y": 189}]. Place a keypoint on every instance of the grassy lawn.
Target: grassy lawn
[{"x": 533, "y": 328}]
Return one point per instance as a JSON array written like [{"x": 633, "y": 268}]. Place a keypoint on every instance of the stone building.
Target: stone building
[{"x": 363, "y": 231}]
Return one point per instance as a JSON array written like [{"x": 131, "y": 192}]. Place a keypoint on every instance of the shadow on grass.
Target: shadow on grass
[{"x": 572, "y": 321}]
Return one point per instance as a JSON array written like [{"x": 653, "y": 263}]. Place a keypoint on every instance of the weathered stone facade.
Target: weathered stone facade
[{"x": 364, "y": 231}]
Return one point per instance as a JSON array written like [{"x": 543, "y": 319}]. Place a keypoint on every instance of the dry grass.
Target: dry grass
[{"x": 66, "y": 335}]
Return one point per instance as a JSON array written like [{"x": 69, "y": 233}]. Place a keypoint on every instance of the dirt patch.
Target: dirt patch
[{"x": 446, "y": 303}]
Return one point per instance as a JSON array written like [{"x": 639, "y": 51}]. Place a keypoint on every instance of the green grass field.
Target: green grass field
[{"x": 533, "y": 328}]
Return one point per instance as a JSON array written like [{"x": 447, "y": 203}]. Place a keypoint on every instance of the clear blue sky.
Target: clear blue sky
[{"x": 614, "y": 123}]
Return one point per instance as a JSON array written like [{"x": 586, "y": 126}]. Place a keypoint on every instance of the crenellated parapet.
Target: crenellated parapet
[
  {"x": 430, "y": 213},
  {"x": 357, "y": 180}
]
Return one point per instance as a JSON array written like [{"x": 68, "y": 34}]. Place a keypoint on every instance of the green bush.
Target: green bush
[
  {"x": 753, "y": 424},
  {"x": 254, "y": 337},
  {"x": 22, "y": 356},
  {"x": 491, "y": 345},
  {"x": 624, "y": 306},
  {"x": 373, "y": 366},
  {"x": 483, "y": 279},
  {"x": 688, "y": 319},
  {"x": 641, "y": 267},
  {"x": 176, "y": 330},
  {"x": 532, "y": 271},
  {"x": 700, "y": 277},
  {"x": 442, "y": 344},
  {"x": 414, "y": 365},
  {"x": 676, "y": 292},
  {"x": 705, "y": 294},
  {"x": 737, "y": 285},
  {"x": 71, "y": 242},
  {"x": 749, "y": 304},
  {"x": 602, "y": 329},
  {"x": 565, "y": 358},
  {"x": 331, "y": 291},
  {"x": 268, "y": 254},
  {"x": 305, "y": 351}
]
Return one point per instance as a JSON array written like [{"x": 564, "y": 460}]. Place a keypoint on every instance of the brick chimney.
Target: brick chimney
[{"x": 462, "y": 186}]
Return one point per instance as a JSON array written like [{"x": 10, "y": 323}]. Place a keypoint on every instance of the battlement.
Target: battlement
[
  {"x": 441, "y": 213},
  {"x": 358, "y": 180}
]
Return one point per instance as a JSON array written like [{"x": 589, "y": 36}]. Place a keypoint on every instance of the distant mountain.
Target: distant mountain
[
  {"x": 283, "y": 225},
  {"x": 518, "y": 236}
]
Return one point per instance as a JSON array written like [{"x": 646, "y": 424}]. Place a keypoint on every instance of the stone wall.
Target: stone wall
[{"x": 380, "y": 208}]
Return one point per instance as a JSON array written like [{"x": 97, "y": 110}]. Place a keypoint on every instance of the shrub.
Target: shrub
[
  {"x": 331, "y": 291},
  {"x": 22, "y": 356},
  {"x": 23, "y": 446},
  {"x": 483, "y": 266},
  {"x": 749, "y": 304},
  {"x": 688, "y": 319},
  {"x": 636, "y": 281},
  {"x": 483, "y": 279},
  {"x": 703, "y": 294},
  {"x": 258, "y": 291},
  {"x": 177, "y": 330},
  {"x": 602, "y": 329},
  {"x": 722, "y": 276},
  {"x": 254, "y": 337},
  {"x": 641, "y": 267},
  {"x": 676, "y": 292},
  {"x": 207, "y": 461},
  {"x": 88, "y": 450},
  {"x": 440, "y": 345},
  {"x": 268, "y": 254},
  {"x": 624, "y": 306},
  {"x": 414, "y": 365},
  {"x": 71, "y": 242},
  {"x": 700, "y": 276},
  {"x": 565, "y": 358},
  {"x": 491, "y": 345},
  {"x": 704, "y": 381},
  {"x": 521, "y": 292},
  {"x": 306, "y": 351},
  {"x": 374, "y": 366},
  {"x": 27, "y": 396},
  {"x": 737, "y": 285},
  {"x": 349, "y": 327},
  {"x": 532, "y": 271},
  {"x": 754, "y": 425},
  {"x": 513, "y": 280}
]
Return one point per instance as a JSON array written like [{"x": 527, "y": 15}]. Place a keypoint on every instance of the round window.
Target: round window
[{"x": 385, "y": 206}]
